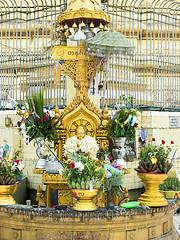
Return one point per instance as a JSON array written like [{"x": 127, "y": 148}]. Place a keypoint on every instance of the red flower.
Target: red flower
[
  {"x": 47, "y": 117},
  {"x": 53, "y": 206},
  {"x": 102, "y": 150},
  {"x": 39, "y": 120},
  {"x": 136, "y": 124},
  {"x": 72, "y": 165},
  {"x": 0, "y": 164},
  {"x": 47, "y": 112},
  {"x": 19, "y": 123},
  {"x": 60, "y": 138},
  {"x": 163, "y": 142},
  {"x": 17, "y": 161},
  {"x": 153, "y": 139},
  {"x": 172, "y": 142},
  {"x": 110, "y": 158}
]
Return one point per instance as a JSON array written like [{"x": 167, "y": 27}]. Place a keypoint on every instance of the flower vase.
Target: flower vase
[
  {"x": 39, "y": 151},
  {"x": 152, "y": 196},
  {"x": 119, "y": 151},
  {"x": 6, "y": 192},
  {"x": 84, "y": 199}
]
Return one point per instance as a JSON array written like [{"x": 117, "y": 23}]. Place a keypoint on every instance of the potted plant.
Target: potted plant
[
  {"x": 152, "y": 171},
  {"x": 10, "y": 170},
  {"x": 171, "y": 186},
  {"x": 121, "y": 127},
  {"x": 112, "y": 185},
  {"x": 37, "y": 123}
]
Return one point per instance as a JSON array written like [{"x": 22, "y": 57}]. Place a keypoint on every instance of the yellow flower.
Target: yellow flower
[
  {"x": 154, "y": 160},
  {"x": 8, "y": 160},
  {"x": 97, "y": 169},
  {"x": 26, "y": 115}
]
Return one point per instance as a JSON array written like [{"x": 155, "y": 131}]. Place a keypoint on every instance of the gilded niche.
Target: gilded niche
[{"x": 81, "y": 112}]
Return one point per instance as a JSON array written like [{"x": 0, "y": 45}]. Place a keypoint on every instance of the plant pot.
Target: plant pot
[
  {"x": 6, "y": 192},
  {"x": 119, "y": 151},
  {"x": 171, "y": 194},
  {"x": 84, "y": 199},
  {"x": 152, "y": 196}
]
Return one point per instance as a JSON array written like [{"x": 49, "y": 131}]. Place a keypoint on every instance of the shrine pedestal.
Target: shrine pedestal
[{"x": 22, "y": 223}]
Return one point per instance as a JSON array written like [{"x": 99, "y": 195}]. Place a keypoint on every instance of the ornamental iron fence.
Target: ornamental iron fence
[{"x": 148, "y": 79}]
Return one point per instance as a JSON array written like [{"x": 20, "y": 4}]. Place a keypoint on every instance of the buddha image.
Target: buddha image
[{"x": 80, "y": 132}]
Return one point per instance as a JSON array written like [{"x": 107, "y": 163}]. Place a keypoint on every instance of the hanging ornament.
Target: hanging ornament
[
  {"x": 74, "y": 25},
  {"x": 91, "y": 25},
  {"x": 101, "y": 26},
  {"x": 66, "y": 27}
]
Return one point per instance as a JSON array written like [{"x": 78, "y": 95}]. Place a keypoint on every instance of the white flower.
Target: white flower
[
  {"x": 87, "y": 145},
  {"x": 21, "y": 166},
  {"x": 61, "y": 171},
  {"x": 79, "y": 165}
]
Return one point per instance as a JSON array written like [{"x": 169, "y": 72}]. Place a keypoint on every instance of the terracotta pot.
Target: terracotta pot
[
  {"x": 6, "y": 192},
  {"x": 84, "y": 199},
  {"x": 152, "y": 196}
]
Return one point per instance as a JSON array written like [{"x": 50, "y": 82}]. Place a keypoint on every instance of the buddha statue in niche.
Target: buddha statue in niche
[{"x": 80, "y": 132}]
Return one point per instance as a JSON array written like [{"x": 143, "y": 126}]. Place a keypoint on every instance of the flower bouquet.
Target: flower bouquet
[
  {"x": 37, "y": 122},
  {"x": 10, "y": 169},
  {"x": 154, "y": 158},
  {"x": 123, "y": 124}
]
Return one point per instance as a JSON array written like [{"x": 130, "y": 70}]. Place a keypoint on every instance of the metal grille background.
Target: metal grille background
[
  {"x": 150, "y": 78},
  {"x": 27, "y": 35}
]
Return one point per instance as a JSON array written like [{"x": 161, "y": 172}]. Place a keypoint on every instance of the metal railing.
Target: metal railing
[
  {"x": 28, "y": 32},
  {"x": 150, "y": 78}
]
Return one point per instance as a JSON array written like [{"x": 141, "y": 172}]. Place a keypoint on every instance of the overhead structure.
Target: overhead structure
[{"x": 107, "y": 43}]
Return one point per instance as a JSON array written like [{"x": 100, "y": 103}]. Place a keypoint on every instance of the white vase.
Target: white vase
[{"x": 119, "y": 151}]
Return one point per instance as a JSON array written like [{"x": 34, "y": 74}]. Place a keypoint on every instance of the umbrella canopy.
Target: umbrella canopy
[{"x": 107, "y": 43}]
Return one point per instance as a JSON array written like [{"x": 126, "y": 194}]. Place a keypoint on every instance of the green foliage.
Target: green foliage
[
  {"x": 119, "y": 126},
  {"x": 80, "y": 177},
  {"x": 150, "y": 150},
  {"x": 154, "y": 158},
  {"x": 10, "y": 169},
  {"x": 170, "y": 184},
  {"x": 38, "y": 123},
  {"x": 112, "y": 185}
]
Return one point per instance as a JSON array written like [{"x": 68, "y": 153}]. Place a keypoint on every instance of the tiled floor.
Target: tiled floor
[{"x": 176, "y": 220}]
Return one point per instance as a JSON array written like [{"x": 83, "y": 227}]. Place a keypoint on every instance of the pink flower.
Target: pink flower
[
  {"x": 153, "y": 139},
  {"x": 172, "y": 142},
  {"x": 60, "y": 138},
  {"x": 72, "y": 165},
  {"x": 47, "y": 117},
  {"x": 163, "y": 142},
  {"x": 110, "y": 158}
]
